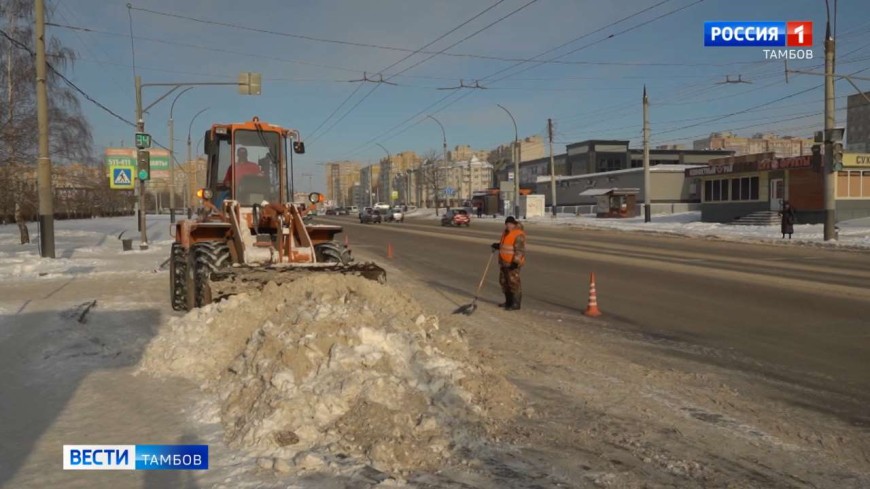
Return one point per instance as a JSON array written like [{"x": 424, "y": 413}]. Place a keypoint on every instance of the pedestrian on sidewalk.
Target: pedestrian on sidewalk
[
  {"x": 511, "y": 257},
  {"x": 787, "y": 220},
  {"x": 22, "y": 224}
]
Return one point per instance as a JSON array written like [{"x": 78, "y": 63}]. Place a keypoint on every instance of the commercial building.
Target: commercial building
[
  {"x": 601, "y": 156},
  {"x": 671, "y": 190},
  {"x": 450, "y": 183},
  {"x": 752, "y": 186},
  {"x": 464, "y": 152},
  {"x": 340, "y": 179},
  {"x": 858, "y": 123},
  {"x": 531, "y": 148},
  {"x": 390, "y": 170},
  {"x": 369, "y": 188},
  {"x": 780, "y": 146}
]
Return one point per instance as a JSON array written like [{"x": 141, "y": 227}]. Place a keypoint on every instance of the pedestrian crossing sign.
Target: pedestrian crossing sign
[{"x": 121, "y": 178}]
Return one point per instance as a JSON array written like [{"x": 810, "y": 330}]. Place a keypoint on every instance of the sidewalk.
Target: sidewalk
[{"x": 854, "y": 234}]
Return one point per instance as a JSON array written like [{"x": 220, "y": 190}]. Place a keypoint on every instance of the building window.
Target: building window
[
  {"x": 853, "y": 184},
  {"x": 734, "y": 189}
]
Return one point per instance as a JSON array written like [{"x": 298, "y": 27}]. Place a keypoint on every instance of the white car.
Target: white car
[
  {"x": 382, "y": 206},
  {"x": 396, "y": 215}
]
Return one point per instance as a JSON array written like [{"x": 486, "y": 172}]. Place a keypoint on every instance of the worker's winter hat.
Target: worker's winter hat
[{"x": 510, "y": 220}]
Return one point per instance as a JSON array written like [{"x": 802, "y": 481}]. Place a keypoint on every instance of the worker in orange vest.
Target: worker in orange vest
[{"x": 511, "y": 257}]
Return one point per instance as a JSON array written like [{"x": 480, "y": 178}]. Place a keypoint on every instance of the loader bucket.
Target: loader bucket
[{"x": 241, "y": 279}]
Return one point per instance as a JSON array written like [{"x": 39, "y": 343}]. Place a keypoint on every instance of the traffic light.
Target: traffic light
[
  {"x": 836, "y": 157},
  {"x": 816, "y": 158},
  {"x": 144, "y": 161}
]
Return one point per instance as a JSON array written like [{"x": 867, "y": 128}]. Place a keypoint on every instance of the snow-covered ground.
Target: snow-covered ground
[
  {"x": 84, "y": 246},
  {"x": 852, "y": 234}
]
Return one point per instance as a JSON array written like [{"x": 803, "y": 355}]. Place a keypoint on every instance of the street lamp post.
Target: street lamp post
[
  {"x": 444, "y": 157},
  {"x": 248, "y": 84},
  {"x": 517, "y": 153},
  {"x": 189, "y": 148},
  {"x": 172, "y": 161}
]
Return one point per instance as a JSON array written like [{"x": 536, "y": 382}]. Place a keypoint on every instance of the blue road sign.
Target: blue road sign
[{"x": 121, "y": 178}]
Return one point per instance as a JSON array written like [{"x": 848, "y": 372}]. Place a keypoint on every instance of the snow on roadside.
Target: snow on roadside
[
  {"x": 333, "y": 371},
  {"x": 84, "y": 246},
  {"x": 853, "y": 234}
]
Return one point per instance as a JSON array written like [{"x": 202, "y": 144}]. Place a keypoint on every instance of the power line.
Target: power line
[
  {"x": 515, "y": 11},
  {"x": 360, "y": 101},
  {"x": 442, "y": 36},
  {"x": 611, "y": 36},
  {"x": 342, "y": 104},
  {"x": 207, "y": 48},
  {"x": 430, "y": 57},
  {"x": 519, "y": 62},
  {"x": 408, "y": 50},
  {"x": 66, "y": 80}
]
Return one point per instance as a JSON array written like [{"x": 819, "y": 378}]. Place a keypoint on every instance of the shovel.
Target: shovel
[{"x": 468, "y": 309}]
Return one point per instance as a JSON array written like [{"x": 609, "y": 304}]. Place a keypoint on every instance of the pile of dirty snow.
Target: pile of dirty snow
[{"x": 333, "y": 371}]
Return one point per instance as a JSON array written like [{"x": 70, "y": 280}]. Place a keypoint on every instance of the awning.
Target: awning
[{"x": 595, "y": 192}]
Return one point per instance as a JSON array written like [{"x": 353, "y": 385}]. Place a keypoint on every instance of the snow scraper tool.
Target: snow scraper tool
[{"x": 468, "y": 309}]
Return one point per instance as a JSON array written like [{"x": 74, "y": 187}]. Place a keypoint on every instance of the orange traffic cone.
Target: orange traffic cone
[
  {"x": 592, "y": 308},
  {"x": 389, "y": 250}
]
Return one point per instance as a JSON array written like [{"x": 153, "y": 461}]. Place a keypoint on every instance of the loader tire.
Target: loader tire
[
  {"x": 206, "y": 258},
  {"x": 332, "y": 253},
  {"x": 179, "y": 283}
]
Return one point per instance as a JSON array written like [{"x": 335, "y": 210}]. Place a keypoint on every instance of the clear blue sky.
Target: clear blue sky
[{"x": 305, "y": 81}]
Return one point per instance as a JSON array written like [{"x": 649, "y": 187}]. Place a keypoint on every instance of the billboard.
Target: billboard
[{"x": 126, "y": 157}]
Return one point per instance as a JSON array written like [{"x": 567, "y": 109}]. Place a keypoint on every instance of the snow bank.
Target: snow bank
[
  {"x": 334, "y": 370},
  {"x": 852, "y": 233},
  {"x": 84, "y": 246}
]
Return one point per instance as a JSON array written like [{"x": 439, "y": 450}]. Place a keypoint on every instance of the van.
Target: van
[{"x": 353, "y": 210}]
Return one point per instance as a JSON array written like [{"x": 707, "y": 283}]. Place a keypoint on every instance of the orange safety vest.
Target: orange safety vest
[{"x": 506, "y": 247}]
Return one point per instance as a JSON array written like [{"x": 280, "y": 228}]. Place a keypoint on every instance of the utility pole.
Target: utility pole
[
  {"x": 552, "y": 167},
  {"x": 140, "y": 127},
  {"x": 444, "y": 158},
  {"x": 830, "y": 203},
  {"x": 647, "y": 198},
  {"x": 43, "y": 176},
  {"x": 172, "y": 156},
  {"x": 517, "y": 150}
]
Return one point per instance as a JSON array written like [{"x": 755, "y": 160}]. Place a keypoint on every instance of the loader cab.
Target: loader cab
[{"x": 247, "y": 162}]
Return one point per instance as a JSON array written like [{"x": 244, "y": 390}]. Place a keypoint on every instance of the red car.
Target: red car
[{"x": 458, "y": 217}]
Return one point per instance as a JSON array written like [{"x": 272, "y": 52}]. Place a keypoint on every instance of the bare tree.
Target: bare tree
[
  {"x": 430, "y": 172},
  {"x": 70, "y": 135}
]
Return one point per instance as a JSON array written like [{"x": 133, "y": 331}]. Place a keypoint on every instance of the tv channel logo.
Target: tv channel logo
[
  {"x": 135, "y": 457},
  {"x": 793, "y": 34}
]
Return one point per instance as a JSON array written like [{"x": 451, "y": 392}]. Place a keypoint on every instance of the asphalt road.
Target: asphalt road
[{"x": 795, "y": 317}]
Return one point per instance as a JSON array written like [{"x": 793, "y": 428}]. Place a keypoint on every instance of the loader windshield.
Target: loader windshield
[{"x": 253, "y": 173}]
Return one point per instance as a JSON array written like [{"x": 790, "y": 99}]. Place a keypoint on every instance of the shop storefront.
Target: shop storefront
[
  {"x": 853, "y": 187},
  {"x": 735, "y": 187}
]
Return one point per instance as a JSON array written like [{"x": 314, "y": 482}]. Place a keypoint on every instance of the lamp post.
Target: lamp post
[
  {"x": 189, "y": 149},
  {"x": 172, "y": 161},
  {"x": 248, "y": 84},
  {"x": 444, "y": 157},
  {"x": 516, "y": 153}
]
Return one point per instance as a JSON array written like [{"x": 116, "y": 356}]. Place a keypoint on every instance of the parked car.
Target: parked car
[
  {"x": 396, "y": 215},
  {"x": 353, "y": 210},
  {"x": 370, "y": 216},
  {"x": 342, "y": 211},
  {"x": 456, "y": 217},
  {"x": 331, "y": 212}
]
